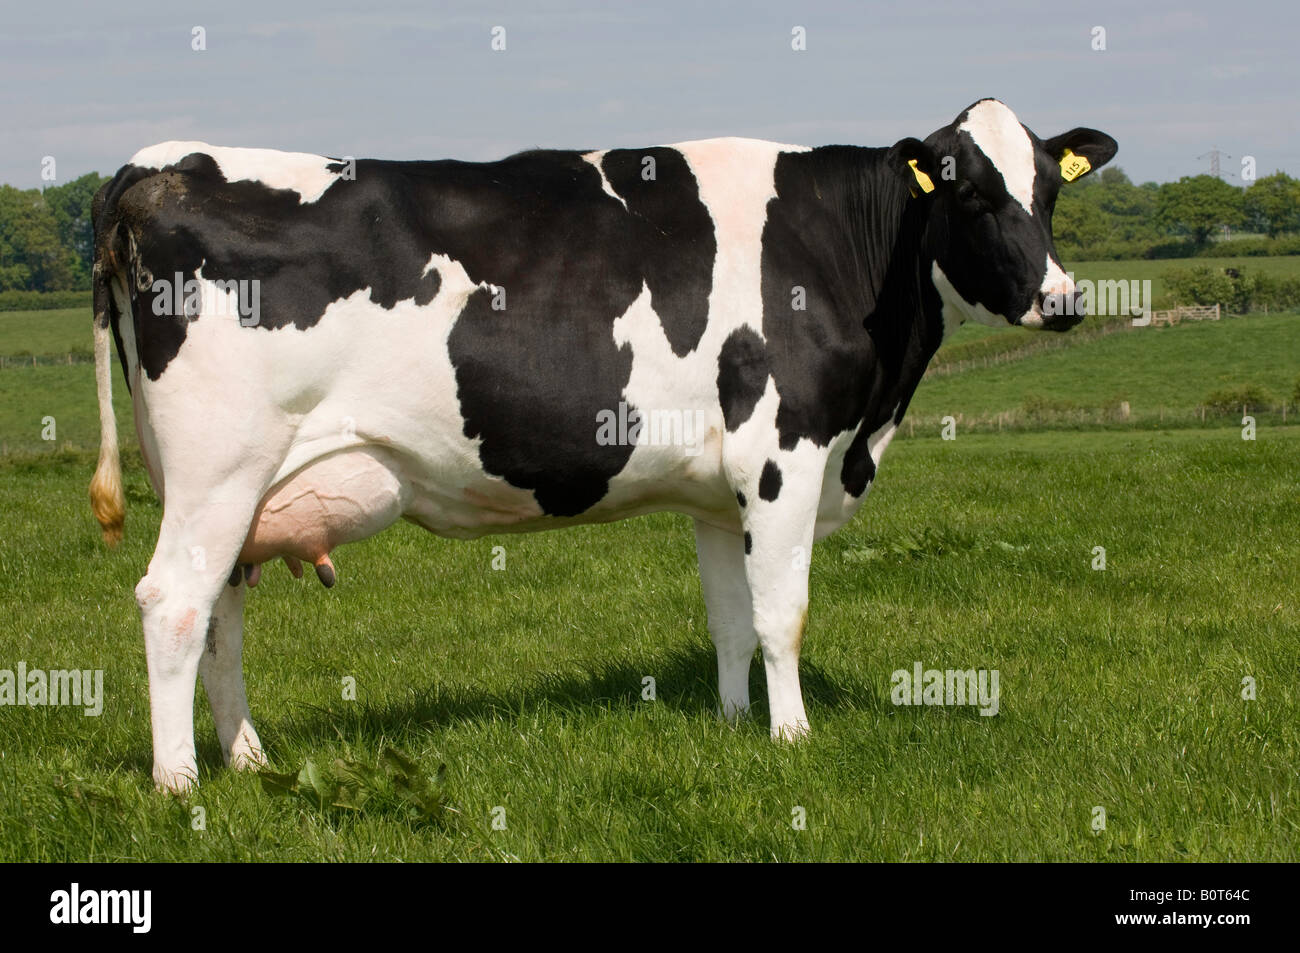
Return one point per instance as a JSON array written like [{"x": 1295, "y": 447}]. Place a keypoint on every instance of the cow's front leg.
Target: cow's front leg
[
  {"x": 197, "y": 548},
  {"x": 222, "y": 669},
  {"x": 175, "y": 608},
  {"x": 779, "y": 522},
  {"x": 731, "y": 614}
]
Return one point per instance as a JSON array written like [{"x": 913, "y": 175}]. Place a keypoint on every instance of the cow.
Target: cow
[{"x": 317, "y": 347}]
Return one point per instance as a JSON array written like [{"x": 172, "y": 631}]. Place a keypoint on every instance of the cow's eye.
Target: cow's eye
[{"x": 971, "y": 200}]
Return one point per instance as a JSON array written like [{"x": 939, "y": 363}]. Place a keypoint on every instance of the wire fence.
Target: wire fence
[
  {"x": 18, "y": 361},
  {"x": 1117, "y": 417},
  {"x": 1020, "y": 352}
]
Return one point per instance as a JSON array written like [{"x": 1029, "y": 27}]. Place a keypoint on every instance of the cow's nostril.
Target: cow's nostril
[{"x": 1061, "y": 311}]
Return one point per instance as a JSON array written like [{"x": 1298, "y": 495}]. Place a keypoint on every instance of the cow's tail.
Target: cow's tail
[{"x": 106, "y": 497}]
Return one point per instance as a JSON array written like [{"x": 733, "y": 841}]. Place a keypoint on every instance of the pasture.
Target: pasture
[
  {"x": 976, "y": 340},
  {"x": 1160, "y": 371},
  {"x": 1120, "y": 689}
]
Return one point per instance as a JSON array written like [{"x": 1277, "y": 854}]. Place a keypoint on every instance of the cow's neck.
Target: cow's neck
[
  {"x": 909, "y": 314},
  {"x": 895, "y": 301}
]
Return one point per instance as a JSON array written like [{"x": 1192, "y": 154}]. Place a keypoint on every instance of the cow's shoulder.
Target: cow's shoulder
[{"x": 305, "y": 174}]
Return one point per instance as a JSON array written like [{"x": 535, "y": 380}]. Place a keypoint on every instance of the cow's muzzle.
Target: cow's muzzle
[{"x": 1062, "y": 311}]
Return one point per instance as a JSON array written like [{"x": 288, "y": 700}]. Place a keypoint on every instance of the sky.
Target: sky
[{"x": 91, "y": 83}]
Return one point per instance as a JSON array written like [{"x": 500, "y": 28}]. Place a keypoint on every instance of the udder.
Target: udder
[{"x": 339, "y": 499}]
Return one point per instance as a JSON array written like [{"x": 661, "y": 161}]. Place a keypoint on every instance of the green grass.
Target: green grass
[
  {"x": 28, "y": 395},
  {"x": 54, "y": 332},
  {"x": 1120, "y": 688},
  {"x": 1152, "y": 367}
]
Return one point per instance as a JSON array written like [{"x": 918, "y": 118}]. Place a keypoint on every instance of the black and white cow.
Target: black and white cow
[{"x": 471, "y": 346}]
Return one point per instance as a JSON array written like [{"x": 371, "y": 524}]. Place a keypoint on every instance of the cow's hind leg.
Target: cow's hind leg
[
  {"x": 197, "y": 548},
  {"x": 731, "y": 613},
  {"x": 221, "y": 667}
]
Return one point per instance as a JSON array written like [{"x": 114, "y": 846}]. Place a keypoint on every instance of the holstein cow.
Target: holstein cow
[{"x": 316, "y": 348}]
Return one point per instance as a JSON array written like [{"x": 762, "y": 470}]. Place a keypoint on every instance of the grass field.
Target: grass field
[
  {"x": 1157, "y": 367},
  {"x": 1120, "y": 689},
  {"x": 57, "y": 331}
]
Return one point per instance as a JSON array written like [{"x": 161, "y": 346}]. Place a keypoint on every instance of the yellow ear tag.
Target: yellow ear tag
[
  {"x": 1073, "y": 166},
  {"x": 922, "y": 179}
]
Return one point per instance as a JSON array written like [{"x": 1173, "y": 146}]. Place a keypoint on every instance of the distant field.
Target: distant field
[
  {"x": 57, "y": 331},
  {"x": 1149, "y": 367},
  {"x": 977, "y": 340},
  {"x": 30, "y": 394},
  {"x": 1155, "y": 269}
]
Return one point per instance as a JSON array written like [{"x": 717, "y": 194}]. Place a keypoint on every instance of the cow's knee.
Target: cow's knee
[{"x": 175, "y": 627}]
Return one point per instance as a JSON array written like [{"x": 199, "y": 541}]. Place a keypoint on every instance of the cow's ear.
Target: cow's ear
[
  {"x": 914, "y": 162},
  {"x": 1081, "y": 151}
]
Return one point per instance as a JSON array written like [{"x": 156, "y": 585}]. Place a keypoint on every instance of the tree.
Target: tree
[
  {"x": 1198, "y": 205},
  {"x": 1078, "y": 222},
  {"x": 1113, "y": 175},
  {"x": 31, "y": 254},
  {"x": 70, "y": 205},
  {"x": 1273, "y": 204}
]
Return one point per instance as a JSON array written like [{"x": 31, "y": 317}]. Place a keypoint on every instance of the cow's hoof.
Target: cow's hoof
[
  {"x": 732, "y": 712},
  {"x": 179, "y": 781},
  {"x": 795, "y": 731},
  {"x": 247, "y": 755},
  {"x": 250, "y": 760}
]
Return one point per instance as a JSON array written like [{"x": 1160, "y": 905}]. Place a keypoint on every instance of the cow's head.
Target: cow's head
[{"x": 990, "y": 186}]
